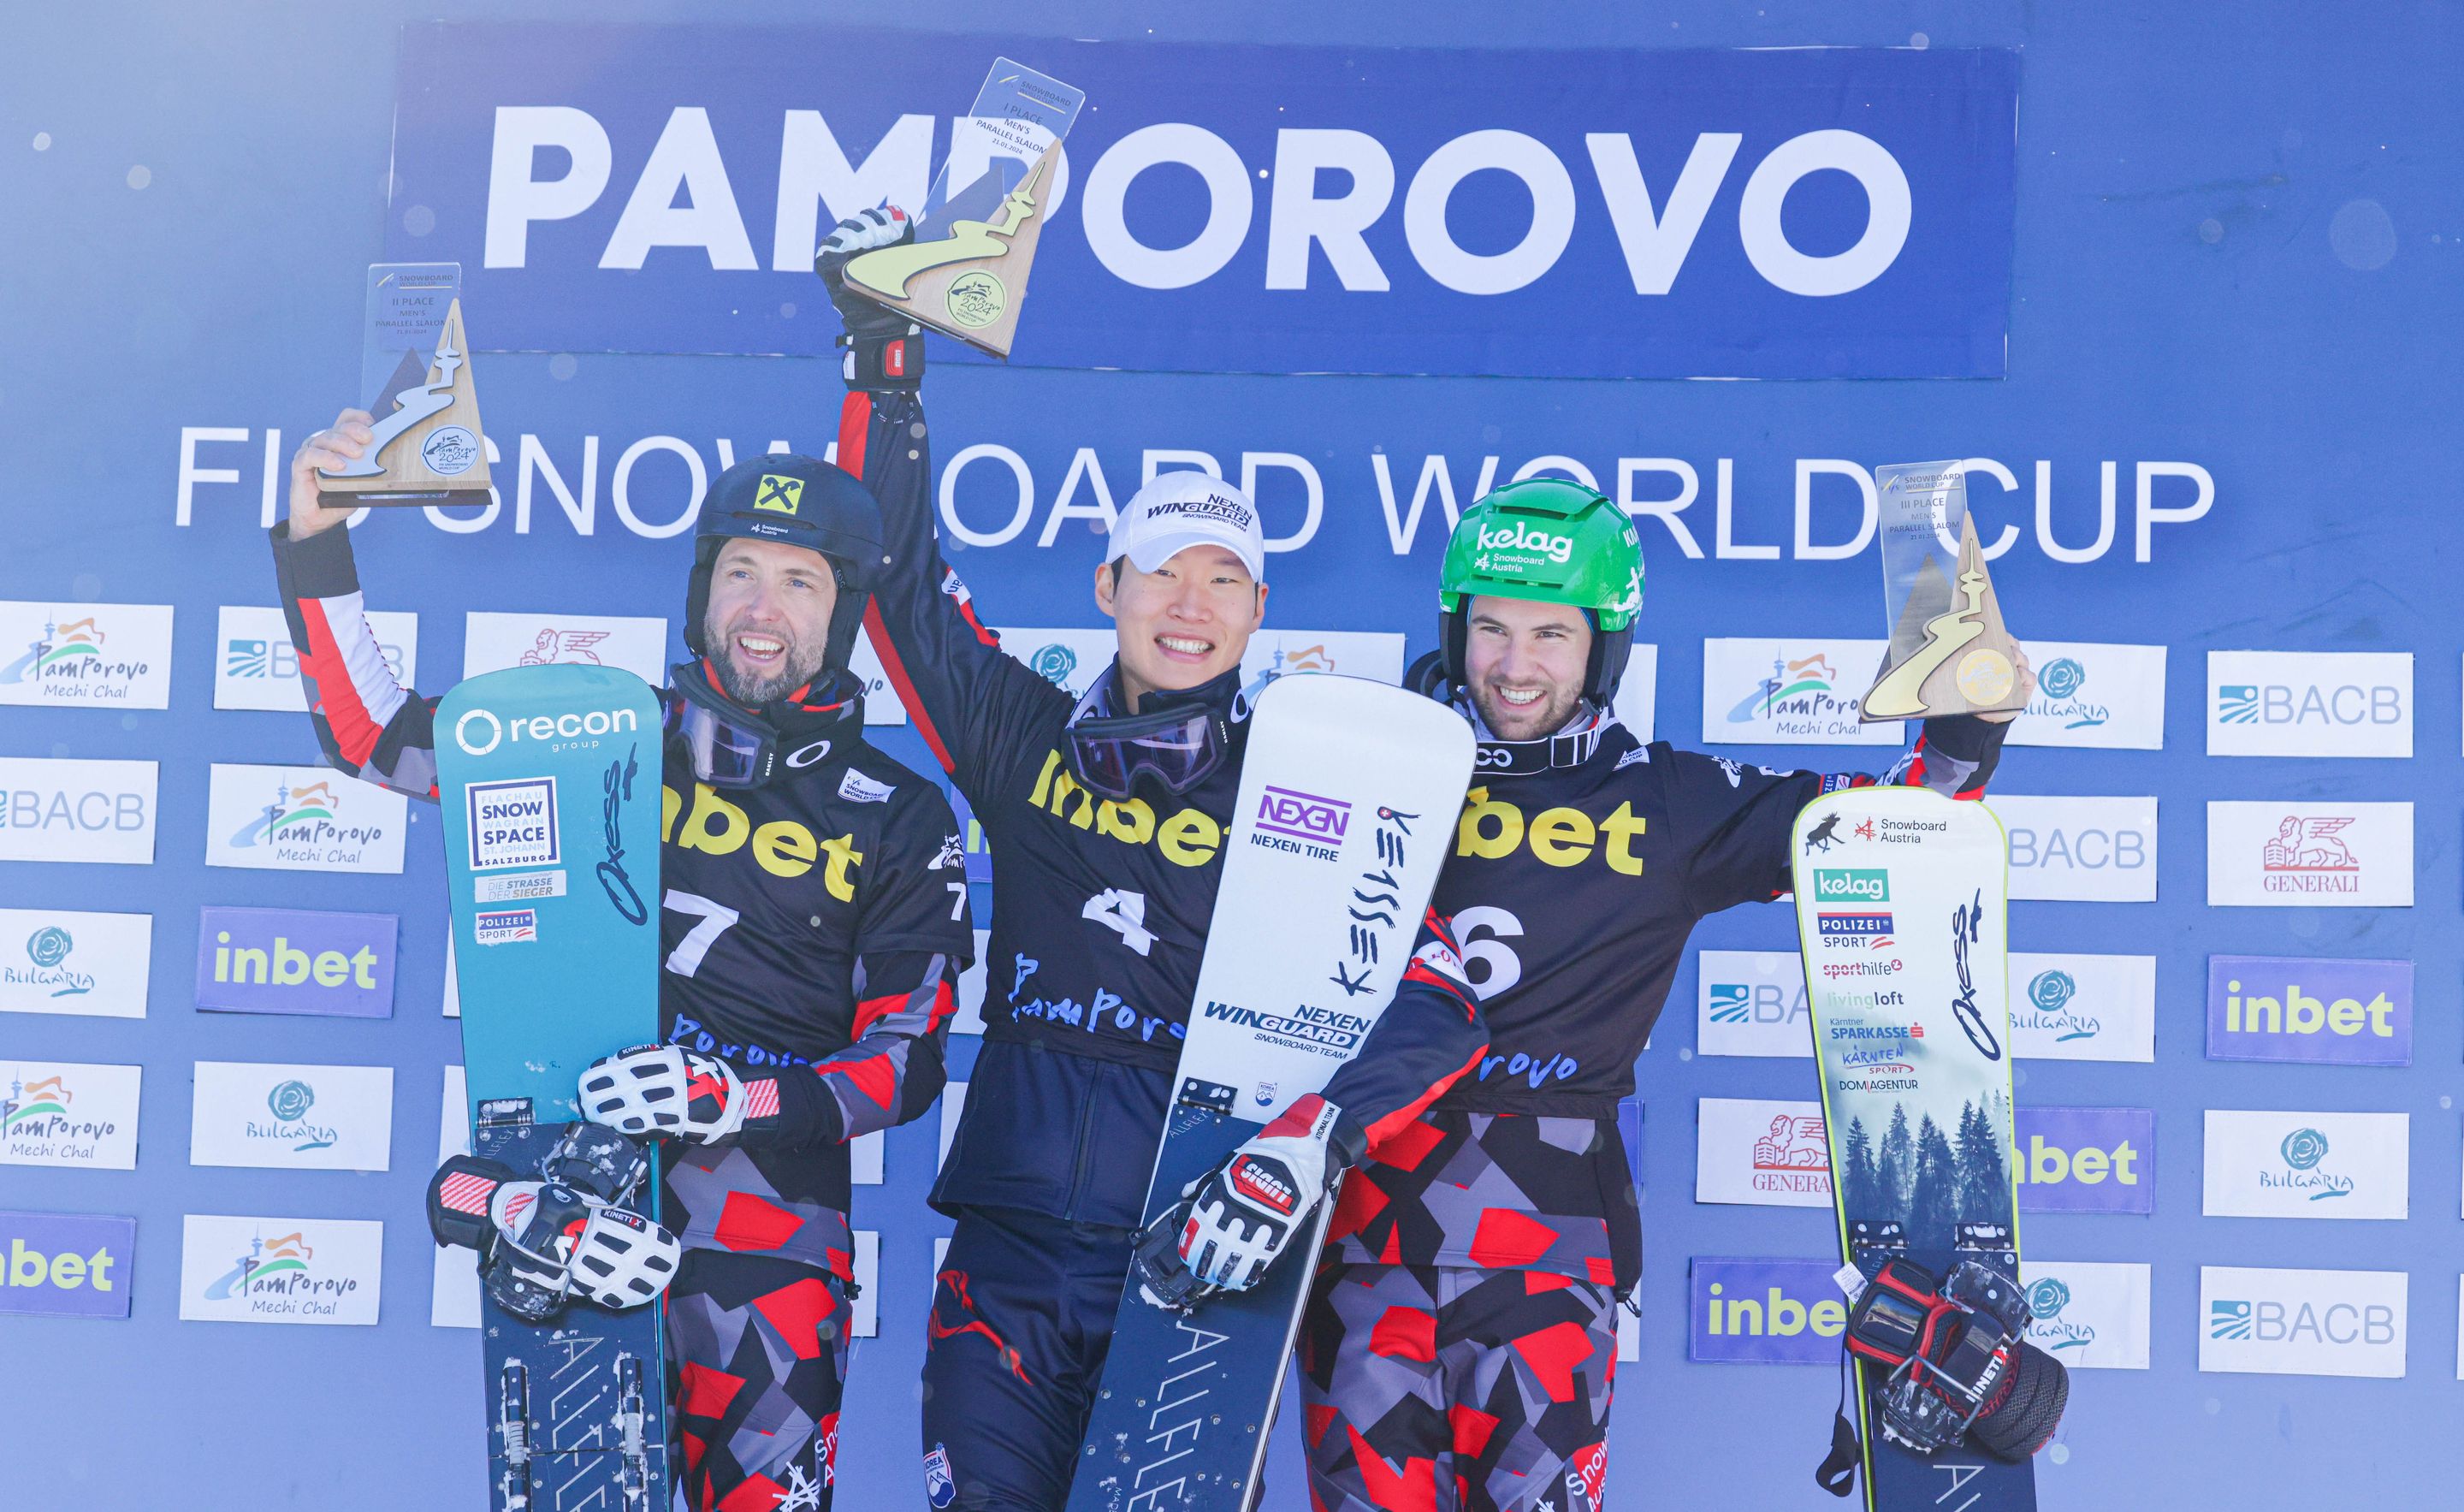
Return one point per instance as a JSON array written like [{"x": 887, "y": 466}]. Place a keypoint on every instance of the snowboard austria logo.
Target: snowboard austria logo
[
  {"x": 1303, "y": 823},
  {"x": 109, "y": 654}
]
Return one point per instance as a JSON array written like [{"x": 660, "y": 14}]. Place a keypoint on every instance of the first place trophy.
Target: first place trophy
[
  {"x": 415, "y": 370},
  {"x": 1949, "y": 653}
]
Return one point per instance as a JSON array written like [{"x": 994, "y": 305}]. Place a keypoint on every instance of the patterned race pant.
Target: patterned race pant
[
  {"x": 757, "y": 1347},
  {"x": 1442, "y": 1388}
]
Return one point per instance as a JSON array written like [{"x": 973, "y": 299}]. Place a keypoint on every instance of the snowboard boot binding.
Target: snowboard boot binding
[
  {"x": 1959, "y": 1362},
  {"x": 543, "y": 1241}
]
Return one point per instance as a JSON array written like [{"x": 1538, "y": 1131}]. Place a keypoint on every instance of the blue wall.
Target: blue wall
[{"x": 2180, "y": 293}]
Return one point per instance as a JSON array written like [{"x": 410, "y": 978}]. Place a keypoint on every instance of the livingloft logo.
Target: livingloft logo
[
  {"x": 46, "y": 952},
  {"x": 2302, "y": 1151},
  {"x": 289, "y": 1102}
]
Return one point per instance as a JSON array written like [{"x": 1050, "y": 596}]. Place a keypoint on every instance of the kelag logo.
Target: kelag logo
[
  {"x": 2289, "y": 1008},
  {"x": 1856, "y": 884},
  {"x": 293, "y": 961},
  {"x": 115, "y": 656},
  {"x": 1764, "y": 1312},
  {"x": 70, "y": 1264},
  {"x": 2086, "y": 1160}
]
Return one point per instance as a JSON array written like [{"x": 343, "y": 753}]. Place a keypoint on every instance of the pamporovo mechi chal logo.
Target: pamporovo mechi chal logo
[
  {"x": 49, "y": 1097},
  {"x": 293, "y": 811},
  {"x": 71, "y": 653},
  {"x": 279, "y": 1266},
  {"x": 1804, "y": 686}
]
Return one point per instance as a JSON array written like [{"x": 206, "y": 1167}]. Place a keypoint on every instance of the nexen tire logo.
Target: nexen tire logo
[{"x": 492, "y": 731}]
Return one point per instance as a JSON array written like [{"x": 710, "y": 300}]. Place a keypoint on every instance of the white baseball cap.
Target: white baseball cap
[{"x": 1183, "y": 509}]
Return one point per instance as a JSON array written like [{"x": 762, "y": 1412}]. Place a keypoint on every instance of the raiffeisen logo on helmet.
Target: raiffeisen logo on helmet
[
  {"x": 1557, "y": 548},
  {"x": 778, "y": 493}
]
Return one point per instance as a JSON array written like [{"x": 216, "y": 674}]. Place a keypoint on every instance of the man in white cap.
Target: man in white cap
[{"x": 1106, "y": 817}]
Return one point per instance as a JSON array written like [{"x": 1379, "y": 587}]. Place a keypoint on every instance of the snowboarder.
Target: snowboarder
[
  {"x": 813, "y": 926},
  {"x": 1105, "y": 816},
  {"x": 1461, "y": 1339}
]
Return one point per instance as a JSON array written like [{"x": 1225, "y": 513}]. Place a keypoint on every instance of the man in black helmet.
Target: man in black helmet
[{"x": 814, "y": 923}]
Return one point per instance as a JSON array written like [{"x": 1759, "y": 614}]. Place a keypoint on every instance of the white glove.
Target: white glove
[
  {"x": 1242, "y": 1212},
  {"x": 664, "y": 1089},
  {"x": 542, "y": 1241}
]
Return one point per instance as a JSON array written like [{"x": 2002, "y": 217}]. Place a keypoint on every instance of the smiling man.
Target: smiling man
[
  {"x": 1460, "y": 1340},
  {"x": 1106, "y": 817}
]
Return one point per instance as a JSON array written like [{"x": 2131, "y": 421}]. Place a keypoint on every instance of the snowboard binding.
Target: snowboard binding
[
  {"x": 564, "y": 1234},
  {"x": 1163, "y": 1277},
  {"x": 1959, "y": 1362}
]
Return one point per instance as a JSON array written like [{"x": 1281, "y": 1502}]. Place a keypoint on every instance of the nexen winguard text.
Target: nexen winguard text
[{"x": 1338, "y": 1032}]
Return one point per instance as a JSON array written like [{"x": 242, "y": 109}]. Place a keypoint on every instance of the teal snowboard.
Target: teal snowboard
[
  {"x": 548, "y": 781},
  {"x": 1902, "y": 916}
]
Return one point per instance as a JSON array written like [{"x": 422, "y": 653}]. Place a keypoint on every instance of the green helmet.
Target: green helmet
[{"x": 1556, "y": 542}]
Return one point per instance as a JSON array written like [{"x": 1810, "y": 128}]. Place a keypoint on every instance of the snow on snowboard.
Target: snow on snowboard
[
  {"x": 548, "y": 781},
  {"x": 1349, "y": 793},
  {"x": 1902, "y": 921}
]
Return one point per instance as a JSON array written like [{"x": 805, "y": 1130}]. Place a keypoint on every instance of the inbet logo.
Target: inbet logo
[
  {"x": 295, "y": 961},
  {"x": 2283, "y": 1008},
  {"x": 2086, "y": 1160},
  {"x": 70, "y": 1264},
  {"x": 1493, "y": 828}
]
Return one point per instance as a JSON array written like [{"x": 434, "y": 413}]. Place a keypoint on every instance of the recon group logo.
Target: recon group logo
[
  {"x": 2088, "y": 1314},
  {"x": 302, "y": 819},
  {"x": 2310, "y": 704},
  {"x": 2086, "y": 1159},
  {"x": 66, "y": 1264},
  {"x": 2302, "y": 1323},
  {"x": 292, "y": 1117},
  {"x": 492, "y": 641},
  {"x": 2083, "y": 1007},
  {"x": 2270, "y": 1165},
  {"x": 2079, "y": 849},
  {"x": 256, "y": 668},
  {"x": 2095, "y": 696},
  {"x": 1752, "y": 1003},
  {"x": 1761, "y": 1151},
  {"x": 279, "y": 1269},
  {"x": 113, "y": 656},
  {"x": 62, "y": 1113},
  {"x": 1773, "y": 693},
  {"x": 57, "y": 961},
  {"x": 2279, "y": 1008},
  {"x": 55, "y": 808},
  {"x": 2310, "y": 854}
]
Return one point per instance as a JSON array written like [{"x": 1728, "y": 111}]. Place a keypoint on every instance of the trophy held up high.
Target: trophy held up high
[
  {"x": 965, "y": 273},
  {"x": 415, "y": 369},
  {"x": 1949, "y": 653}
]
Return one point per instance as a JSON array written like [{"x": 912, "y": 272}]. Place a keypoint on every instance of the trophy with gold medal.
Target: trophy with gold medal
[{"x": 1949, "y": 653}]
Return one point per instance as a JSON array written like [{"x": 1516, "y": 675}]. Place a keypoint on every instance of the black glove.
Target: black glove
[{"x": 885, "y": 348}]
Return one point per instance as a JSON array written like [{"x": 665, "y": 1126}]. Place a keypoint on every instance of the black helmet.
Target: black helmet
[{"x": 801, "y": 502}]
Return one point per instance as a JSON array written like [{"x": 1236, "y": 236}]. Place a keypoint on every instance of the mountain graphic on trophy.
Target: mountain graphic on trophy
[
  {"x": 965, "y": 273},
  {"x": 1949, "y": 651},
  {"x": 415, "y": 369}
]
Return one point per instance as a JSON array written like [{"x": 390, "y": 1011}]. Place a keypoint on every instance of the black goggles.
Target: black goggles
[
  {"x": 731, "y": 746},
  {"x": 1172, "y": 748}
]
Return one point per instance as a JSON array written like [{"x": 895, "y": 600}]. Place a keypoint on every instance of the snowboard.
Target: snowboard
[
  {"x": 1349, "y": 794},
  {"x": 1902, "y": 921},
  {"x": 548, "y": 783}
]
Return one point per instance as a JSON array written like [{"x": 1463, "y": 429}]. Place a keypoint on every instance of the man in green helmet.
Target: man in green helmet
[{"x": 1461, "y": 1339}]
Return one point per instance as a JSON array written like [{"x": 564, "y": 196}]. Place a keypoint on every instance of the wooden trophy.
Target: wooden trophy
[
  {"x": 429, "y": 448},
  {"x": 970, "y": 283},
  {"x": 1949, "y": 651}
]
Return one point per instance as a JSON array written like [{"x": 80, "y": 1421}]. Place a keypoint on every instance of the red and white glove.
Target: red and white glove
[
  {"x": 885, "y": 348},
  {"x": 665, "y": 1089},
  {"x": 1243, "y": 1213},
  {"x": 542, "y": 1241}
]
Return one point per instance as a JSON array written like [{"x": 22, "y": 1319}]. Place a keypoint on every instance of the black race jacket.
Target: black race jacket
[
  {"x": 1572, "y": 892},
  {"x": 1100, "y": 907},
  {"x": 811, "y": 931}
]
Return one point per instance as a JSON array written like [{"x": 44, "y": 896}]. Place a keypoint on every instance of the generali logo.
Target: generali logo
[{"x": 2311, "y": 856}]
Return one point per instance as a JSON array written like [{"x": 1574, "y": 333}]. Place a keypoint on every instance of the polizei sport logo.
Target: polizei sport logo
[{"x": 1331, "y": 1029}]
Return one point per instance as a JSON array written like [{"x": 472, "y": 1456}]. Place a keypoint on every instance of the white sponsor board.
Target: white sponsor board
[
  {"x": 256, "y": 667},
  {"x": 302, "y": 819},
  {"x": 492, "y": 642},
  {"x": 85, "y": 656},
  {"x": 864, "y": 1158},
  {"x": 2094, "y": 850},
  {"x": 1071, "y": 659},
  {"x": 954, "y": 1106},
  {"x": 2093, "y": 695},
  {"x": 292, "y": 1117},
  {"x": 1751, "y": 1003},
  {"x": 1374, "y": 654},
  {"x": 881, "y": 706},
  {"x": 2459, "y": 1327},
  {"x": 67, "y": 1113},
  {"x": 2066, "y": 1006},
  {"x": 59, "y": 809},
  {"x": 60, "y": 961},
  {"x": 454, "y": 1282},
  {"x": 2302, "y": 1323},
  {"x": 453, "y": 994},
  {"x": 1761, "y": 1151},
  {"x": 2309, "y": 703},
  {"x": 2309, "y": 855},
  {"x": 1637, "y": 709},
  {"x": 866, "y": 1308},
  {"x": 280, "y": 1270},
  {"x": 2288, "y": 1165},
  {"x": 969, "y": 1019},
  {"x": 2089, "y": 1314},
  {"x": 1791, "y": 693}
]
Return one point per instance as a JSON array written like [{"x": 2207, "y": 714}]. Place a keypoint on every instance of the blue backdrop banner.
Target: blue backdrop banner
[{"x": 1821, "y": 213}]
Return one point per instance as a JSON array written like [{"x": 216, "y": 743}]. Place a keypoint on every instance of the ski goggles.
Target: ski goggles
[
  {"x": 1172, "y": 748},
  {"x": 731, "y": 746}
]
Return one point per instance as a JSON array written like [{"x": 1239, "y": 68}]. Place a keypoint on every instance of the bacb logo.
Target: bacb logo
[
  {"x": 255, "y": 666},
  {"x": 2309, "y": 703},
  {"x": 65, "y": 809},
  {"x": 2231, "y": 1319},
  {"x": 2302, "y": 1323}
]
